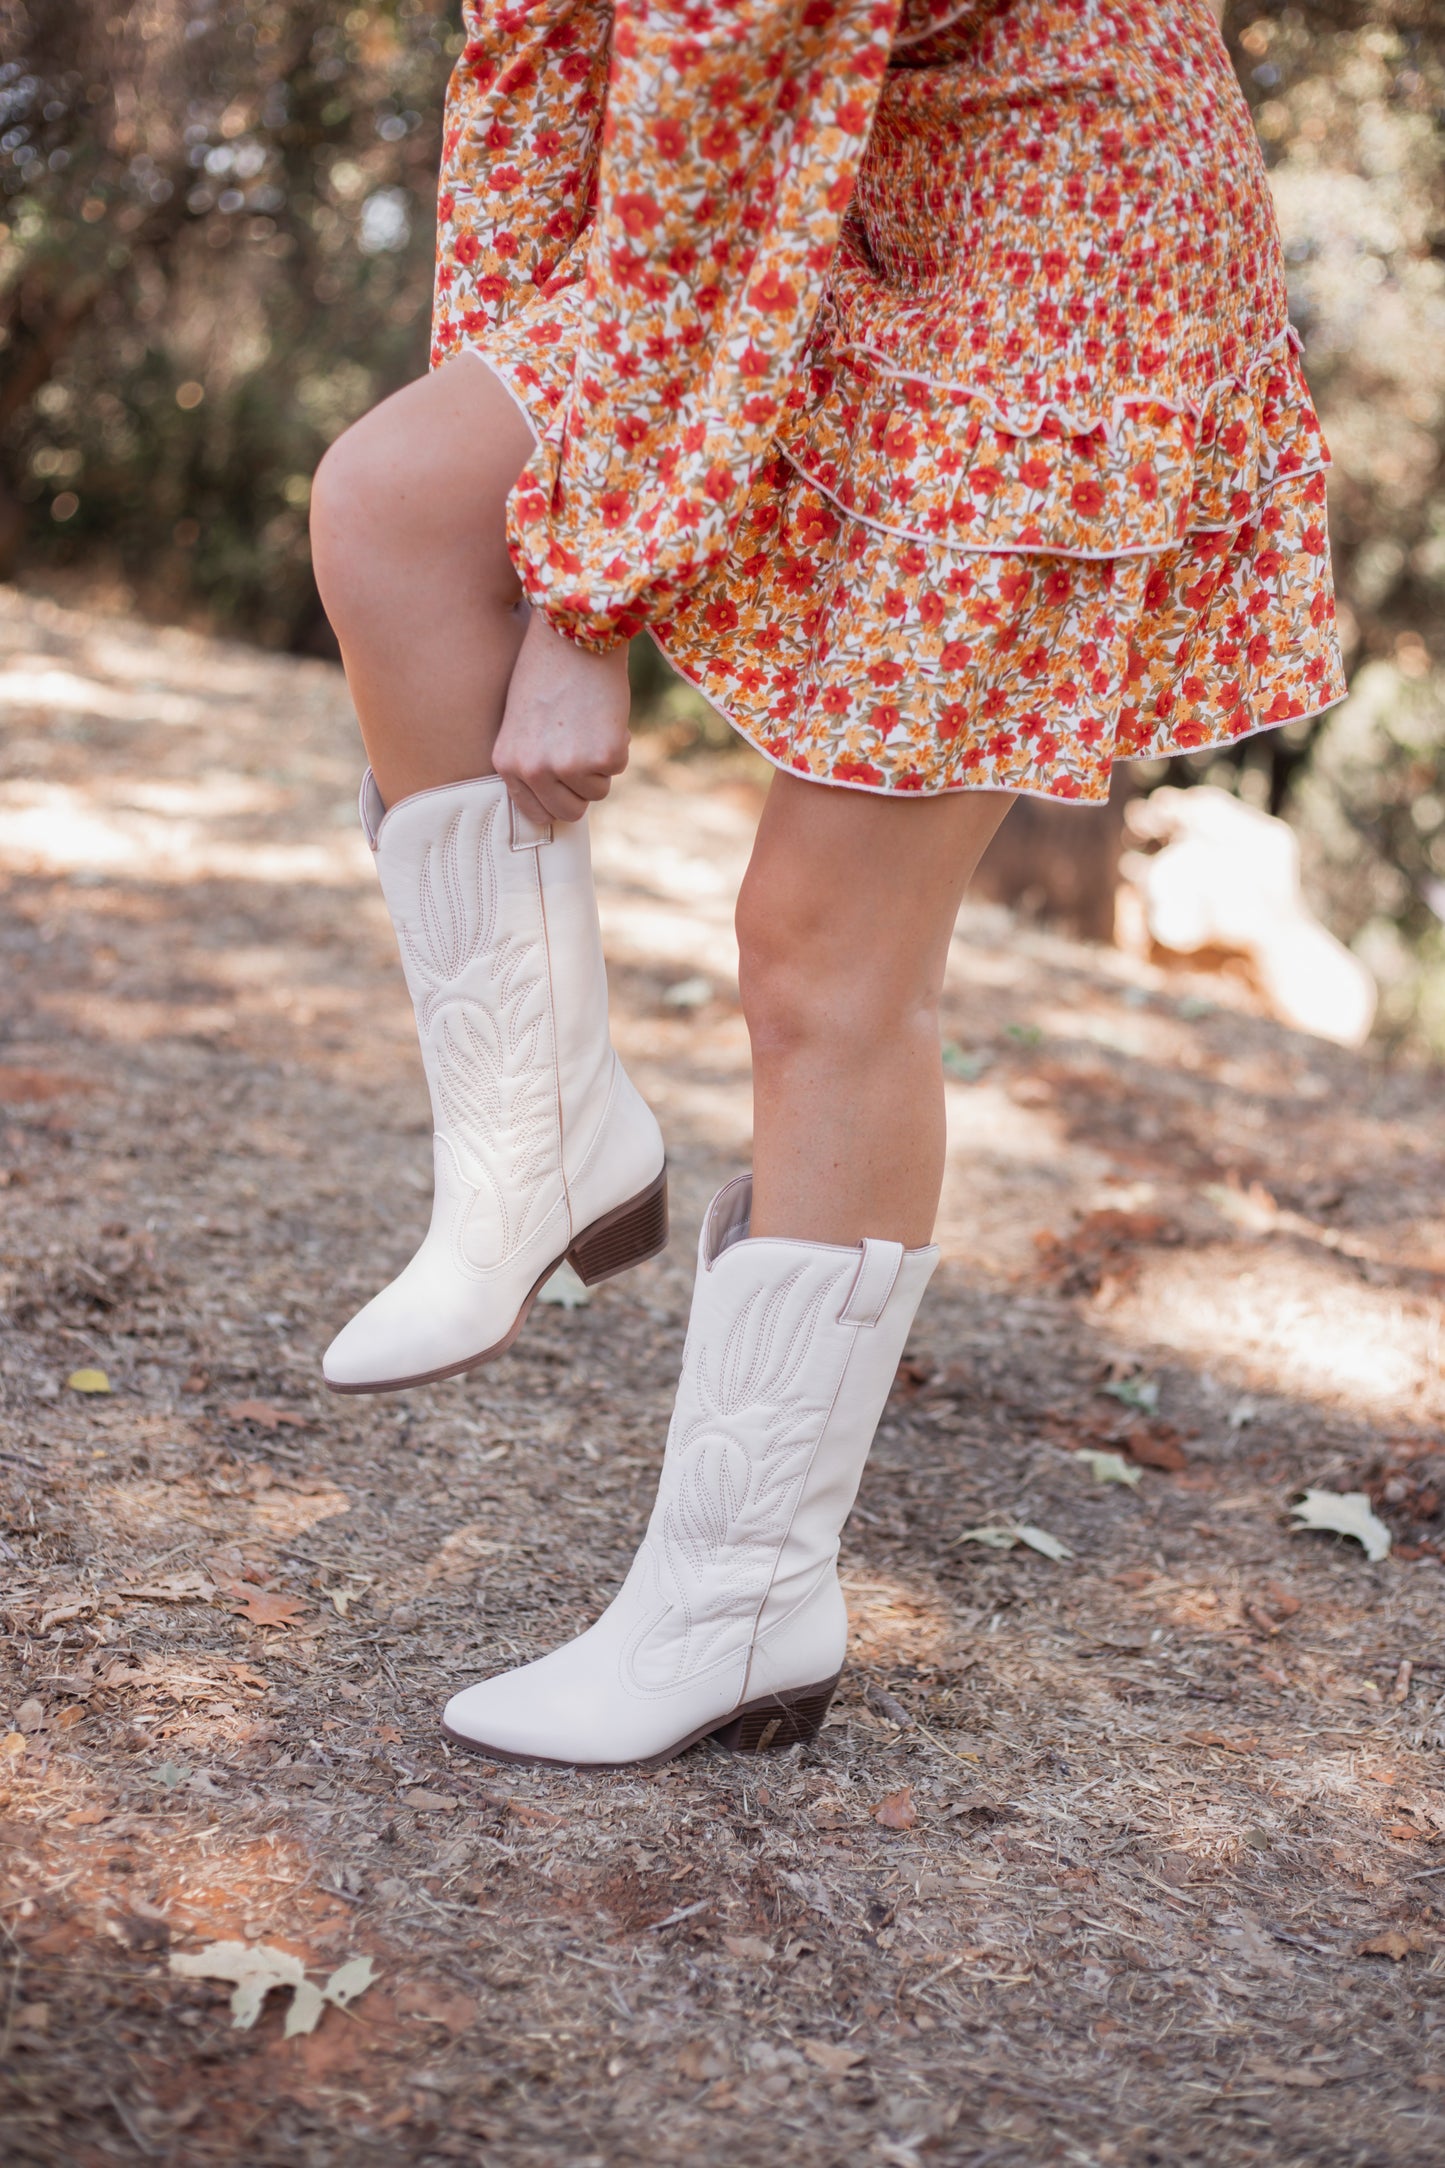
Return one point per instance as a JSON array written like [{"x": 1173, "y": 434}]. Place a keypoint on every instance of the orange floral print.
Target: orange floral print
[{"x": 921, "y": 381}]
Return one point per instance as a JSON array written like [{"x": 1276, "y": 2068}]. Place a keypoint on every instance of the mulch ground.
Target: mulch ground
[{"x": 1130, "y": 1856}]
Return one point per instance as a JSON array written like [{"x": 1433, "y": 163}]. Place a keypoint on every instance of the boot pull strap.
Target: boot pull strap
[
  {"x": 878, "y": 1271},
  {"x": 527, "y": 834}
]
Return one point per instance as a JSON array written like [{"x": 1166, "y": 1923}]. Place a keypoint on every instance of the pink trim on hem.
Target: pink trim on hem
[
  {"x": 1081, "y": 425},
  {"x": 947, "y": 790},
  {"x": 1030, "y": 549}
]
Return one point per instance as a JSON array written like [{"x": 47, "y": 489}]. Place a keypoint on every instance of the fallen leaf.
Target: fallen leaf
[
  {"x": 1039, "y": 1539},
  {"x": 997, "y": 1539},
  {"x": 12, "y": 1746},
  {"x": 88, "y": 1381},
  {"x": 1345, "y": 1513},
  {"x": 262, "y": 1607},
  {"x": 836, "y": 2061},
  {"x": 138, "y": 1932},
  {"x": 175, "y": 1588},
  {"x": 1141, "y": 1393},
  {"x": 265, "y": 1415},
  {"x": 86, "y": 1817},
  {"x": 1394, "y": 1943},
  {"x": 1111, "y": 1468},
  {"x": 566, "y": 1288},
  {"x": 1157, "y": 1449},
  {"x": 30, "y": 1716},
  {"x": 897, "y": 1811},
  {"x": 256, "y": 1967},
  {"x": 348, "y": 1981},
  {"x": 1245, "y": 1745},
  {"x": 427, "y": 1802}
]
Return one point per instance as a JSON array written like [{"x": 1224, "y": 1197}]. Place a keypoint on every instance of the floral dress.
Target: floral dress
[{"x": 921, "y": 379}]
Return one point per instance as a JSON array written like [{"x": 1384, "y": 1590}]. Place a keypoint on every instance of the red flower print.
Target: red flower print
[
  {"x": 614, "y": 506},
  {"x": 638, "y": 212},
  {"x": 466, "y": 248},
  {"x": 1035, "y": 662},
  {"x": 931, "y": 610},
  {"x": 1314, "y": 540},
  {"x": 858, "y": 771},
  {"x": 1234, "y": 440},
  {"x": 956, "y": 655},
  {"x": 952, "y": 718},
  {"x": 987, "y": 479},
  {"x": 1259, "y": 650},
  {"x": 773, "y": 293},
  {"x": 1036, "y": 473},
  {"x": 886, "y": 674},
  {"x": 721, "y": 616},
  {"x": 670, "y": 137},
  {"x": 1157, "y": 593},
  {"x": 886, "y": 716},
  {"x": 1087, "y": 497}
]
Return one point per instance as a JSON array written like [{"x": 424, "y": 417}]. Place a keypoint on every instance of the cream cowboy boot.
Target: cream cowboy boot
[
  {"x": 731, "y": 1623},
  {"x": 543, "y": 1149}
]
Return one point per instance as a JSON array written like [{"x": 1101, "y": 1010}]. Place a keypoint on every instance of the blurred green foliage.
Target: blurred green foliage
[{"x": 215, "y": 252}]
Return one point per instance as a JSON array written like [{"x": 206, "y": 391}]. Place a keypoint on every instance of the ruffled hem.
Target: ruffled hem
[
  {"x": 952, "y": 465},
  {"x": 1057, "y": 789}
]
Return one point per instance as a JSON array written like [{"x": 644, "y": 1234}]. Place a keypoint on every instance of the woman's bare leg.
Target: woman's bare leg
[
  {"x": 408, "y": 528},
  {"x": 844, "y": 923}
]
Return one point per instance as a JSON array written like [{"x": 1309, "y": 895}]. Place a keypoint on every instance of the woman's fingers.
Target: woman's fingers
[{"x": 546, "y": 797}]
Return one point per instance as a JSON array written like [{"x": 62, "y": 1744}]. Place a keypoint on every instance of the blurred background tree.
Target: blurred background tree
[{"x": 215, "y": 252}]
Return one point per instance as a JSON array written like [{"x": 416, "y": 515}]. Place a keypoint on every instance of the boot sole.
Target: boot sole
[
  {"x": 758, "y": 1727},
  {"x": 626, "y": 1236}
]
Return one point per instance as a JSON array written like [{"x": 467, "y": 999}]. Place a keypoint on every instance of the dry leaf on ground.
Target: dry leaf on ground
[
  {"x": 88, "y": 1381},
  {"x": 426, "y": 1802},
  {"x": 262, "y": 1607},
  {"x": 1111, "y": 1468},
  {"x": 256, "y": 1968},
  {"x": 1395, "y": 1943},
  {"x": 828, "y": 2056},
  {"x": 1345, "y": 1513},
  {"x": 897, "y": 1811},
  {"x": 1039, "y": 1539},
  {"x": 265, "y": 1415},
  {"x": 174, "y": 1588}
]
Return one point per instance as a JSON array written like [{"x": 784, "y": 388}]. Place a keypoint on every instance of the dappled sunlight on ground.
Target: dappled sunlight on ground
[{"x": 1116, "y": 1852}]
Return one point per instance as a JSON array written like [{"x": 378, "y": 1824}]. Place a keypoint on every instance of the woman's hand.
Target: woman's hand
[{"x": 564, "y": 731}]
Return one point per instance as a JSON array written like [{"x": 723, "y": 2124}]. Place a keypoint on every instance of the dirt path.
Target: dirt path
[{"x": 1163, "y": 1875}]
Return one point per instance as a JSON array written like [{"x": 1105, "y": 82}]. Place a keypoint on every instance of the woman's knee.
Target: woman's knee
[
  {"x": 413, "y": 483},
  {"x": 803, "y": 984}
]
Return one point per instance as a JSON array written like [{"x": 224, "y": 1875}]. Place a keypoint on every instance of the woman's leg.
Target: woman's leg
[
  {"x": 408, "y": 529},
  {"x": 844, "y": 923}
]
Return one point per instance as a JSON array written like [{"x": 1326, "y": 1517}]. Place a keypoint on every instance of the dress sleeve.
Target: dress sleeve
[
  {"x": 520, "y": 149},
  {"x": 733, "y": 135}
]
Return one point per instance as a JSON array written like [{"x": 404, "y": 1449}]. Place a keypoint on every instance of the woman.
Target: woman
[{"x": 923, "y": 383}]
